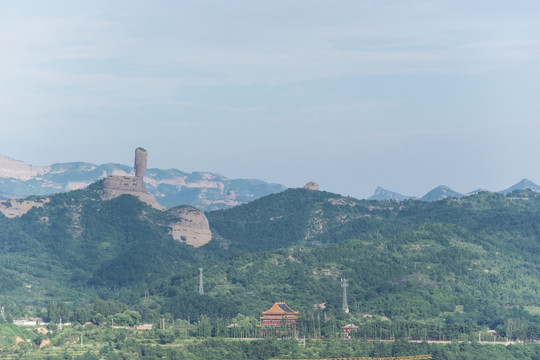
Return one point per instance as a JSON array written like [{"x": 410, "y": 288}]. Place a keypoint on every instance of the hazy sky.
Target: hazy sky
[{"x": 356, "y": 94}]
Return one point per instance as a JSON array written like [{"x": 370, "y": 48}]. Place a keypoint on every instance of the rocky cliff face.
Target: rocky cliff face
[
  {"x": 115, "y": 185},
  {"x": 190, "y": 226},
  {"x": 11, "y": 168}
]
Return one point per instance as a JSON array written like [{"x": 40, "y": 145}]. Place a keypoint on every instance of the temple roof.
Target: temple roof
[{"x": 280, "y": 308}]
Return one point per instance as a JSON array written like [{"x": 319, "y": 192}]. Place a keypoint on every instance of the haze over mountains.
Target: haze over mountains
[
  {"x": 443, "y": 192},
  {"x": 171, "y": 187},
  {"x": 203, "y": 190}
]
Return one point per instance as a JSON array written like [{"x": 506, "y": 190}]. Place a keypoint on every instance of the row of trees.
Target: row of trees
[
  {"x": 99, "y": 312},
  {"x": 312, "y": 326}
]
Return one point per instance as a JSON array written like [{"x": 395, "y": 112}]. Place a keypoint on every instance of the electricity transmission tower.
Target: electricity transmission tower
[
  {"x": 201, "y": 290},
  {"x": 344, "y": 285}
]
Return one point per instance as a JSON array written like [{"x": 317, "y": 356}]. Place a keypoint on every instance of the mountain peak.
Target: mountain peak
[
  {"x": 384, "y": 194},
  {"x": 522, "y": 185},
  {"x": 441, "y": 192}
]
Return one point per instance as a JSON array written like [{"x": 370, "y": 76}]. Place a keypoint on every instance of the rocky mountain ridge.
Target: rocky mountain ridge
[
  {"x": 171, "y": 187},
  {"x": 203, "y": 190},
  {"x": 188, "y": 224}
]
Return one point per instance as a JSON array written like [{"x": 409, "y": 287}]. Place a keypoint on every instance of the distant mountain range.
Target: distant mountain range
[
  {"x": 443, "y": 192},
  {"x": 203, "y": 190}
]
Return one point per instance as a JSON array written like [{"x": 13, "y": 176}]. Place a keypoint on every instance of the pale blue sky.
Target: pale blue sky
[{"x": 407, "y": 95}]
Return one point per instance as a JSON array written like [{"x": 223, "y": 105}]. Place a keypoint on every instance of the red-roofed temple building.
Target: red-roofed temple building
[{"x": 280, "y": 319}]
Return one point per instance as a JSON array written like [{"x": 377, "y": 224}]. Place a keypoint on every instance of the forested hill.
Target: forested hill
[
  {"x": 74, "y": 245},
  {"x": 462, "y": 262},
  {"x": 298, "y": 216},
  {"x": 451, "y": 264}
]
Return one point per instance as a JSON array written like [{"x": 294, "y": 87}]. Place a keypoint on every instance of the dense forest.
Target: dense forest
[{"x": 446, "y": 270}]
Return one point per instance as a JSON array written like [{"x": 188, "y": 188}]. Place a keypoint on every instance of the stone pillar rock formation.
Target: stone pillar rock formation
[
  {"x": 140, "y": 162},
  {"x": 114, "y": 185}
]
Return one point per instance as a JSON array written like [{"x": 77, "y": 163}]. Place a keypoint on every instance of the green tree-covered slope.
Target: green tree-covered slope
[
  {"x": 474, "y": 260},
  {"x": 77, "y": 245},
  {"x": 451, "y": 265}
]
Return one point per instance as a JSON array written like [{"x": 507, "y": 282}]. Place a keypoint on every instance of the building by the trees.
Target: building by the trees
[{"x": 279, "y": 320}]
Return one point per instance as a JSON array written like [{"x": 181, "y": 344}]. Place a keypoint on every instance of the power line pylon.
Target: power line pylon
[
  {"x": 344, "y": 285},
  {"x": 201, "y": 289}
]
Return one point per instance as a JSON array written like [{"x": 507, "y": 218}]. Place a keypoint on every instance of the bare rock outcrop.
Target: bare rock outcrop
[
  {"x": 190, "y": 226},
  {"x": 312, "y": 186},
  {"x": 116, "y": 185}
]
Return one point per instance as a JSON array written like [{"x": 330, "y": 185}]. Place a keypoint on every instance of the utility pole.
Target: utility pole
[
  {"x": 344, "y": 285},
  {"x": 3, "y": 314},
  {"x": 201, "y": 290}
]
